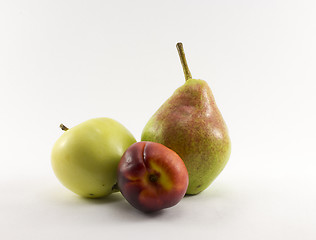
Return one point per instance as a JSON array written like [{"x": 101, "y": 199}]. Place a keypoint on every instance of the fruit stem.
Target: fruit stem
[
  {"x": 153, "y": 178},
  {"x": 63, "y": 127},
  {"x": 186, "y": 70}
]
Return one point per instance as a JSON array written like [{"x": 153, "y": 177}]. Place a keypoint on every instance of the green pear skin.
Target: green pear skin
[{"x": 190, "y": 123}]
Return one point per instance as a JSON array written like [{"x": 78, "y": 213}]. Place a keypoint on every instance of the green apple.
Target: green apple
[{"x": 85, "y": 158}]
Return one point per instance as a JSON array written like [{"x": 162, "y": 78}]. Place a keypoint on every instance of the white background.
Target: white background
[{"x": 69, "y": 61}]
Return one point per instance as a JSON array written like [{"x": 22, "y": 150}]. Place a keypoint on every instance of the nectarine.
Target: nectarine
[{"x": 151, "y": 176}]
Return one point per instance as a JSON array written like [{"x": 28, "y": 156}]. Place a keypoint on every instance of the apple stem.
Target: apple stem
[
  {"x": 63, "y": 127},
  {"x": 186, "y": 70}
]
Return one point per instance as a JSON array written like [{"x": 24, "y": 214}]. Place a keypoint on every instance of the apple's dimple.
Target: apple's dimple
[{"x": 151, "y": 176}]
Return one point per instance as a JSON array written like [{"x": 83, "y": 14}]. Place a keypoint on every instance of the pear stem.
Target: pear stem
[
  {"x": 63, "y": 127},
  {"x": 186, "y": 70}
]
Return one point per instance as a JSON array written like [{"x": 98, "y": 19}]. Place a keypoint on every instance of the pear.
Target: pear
[{"x": 190, "y": 123}]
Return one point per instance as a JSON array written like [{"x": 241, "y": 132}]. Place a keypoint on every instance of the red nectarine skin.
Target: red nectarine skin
[{"x": 152, "y": 177}]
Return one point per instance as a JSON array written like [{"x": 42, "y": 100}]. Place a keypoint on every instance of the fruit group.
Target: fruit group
[
  {"x": 152, "y": 177},
  {"x": 85, "y": 157},
  {"x": 190, "y": 123}
]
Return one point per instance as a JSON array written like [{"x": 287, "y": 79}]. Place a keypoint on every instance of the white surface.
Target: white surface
[{"x": 69, "y": 61}]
